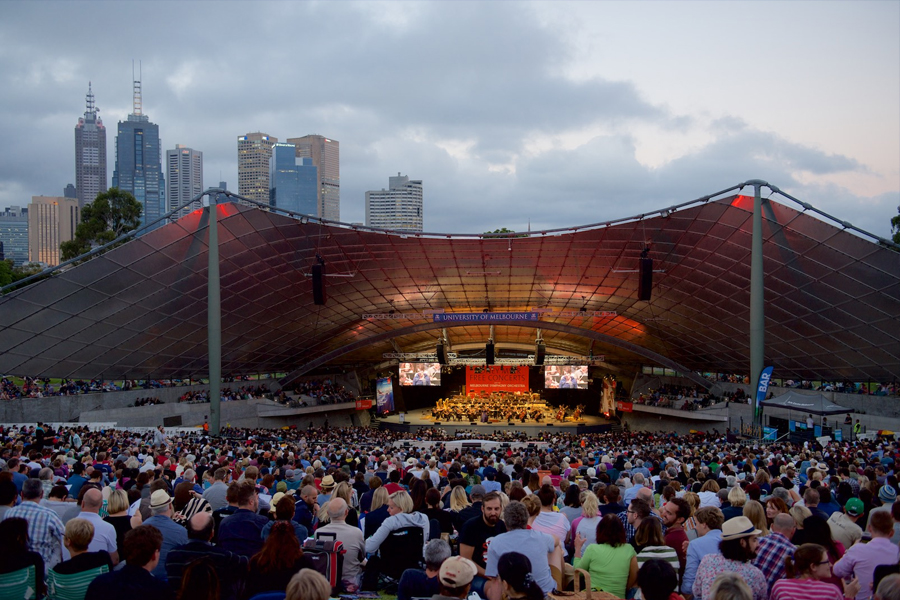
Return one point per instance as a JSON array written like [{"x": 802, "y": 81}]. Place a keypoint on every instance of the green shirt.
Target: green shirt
[{"x": 608, "y": 566}]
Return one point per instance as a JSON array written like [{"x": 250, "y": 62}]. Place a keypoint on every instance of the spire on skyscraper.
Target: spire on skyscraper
[
  {"x": 90, "y": 109},
  {"x": 137, "y": 90}
]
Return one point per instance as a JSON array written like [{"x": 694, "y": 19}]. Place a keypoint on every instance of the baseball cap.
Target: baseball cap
[
  {"x": 854, "y": 507},
  {"x": 457, "y": 571}
]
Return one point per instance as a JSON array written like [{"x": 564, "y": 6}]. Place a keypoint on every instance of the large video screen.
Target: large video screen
[
  {"x": 420, "y": 374},
  {"x": 566, "y": 377}
]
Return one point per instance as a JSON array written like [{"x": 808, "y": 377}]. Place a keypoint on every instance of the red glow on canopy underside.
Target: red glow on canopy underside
[{"x": 743, "y": 202}]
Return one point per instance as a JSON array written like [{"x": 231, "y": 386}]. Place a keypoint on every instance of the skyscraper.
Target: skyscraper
[
  {"x": 293, "y": 181},
  {"x": 90, "y": 153},
  {"x": 326, "y": 156},
  {"x": 184, "y": 170},
  {"x": 14, "y": 234},
  {"x": 51, "y": 221},
  {"x": 399, "y": 207},
  {"x": 254, "y": 152},
  {"x": 138, "y": 167}
]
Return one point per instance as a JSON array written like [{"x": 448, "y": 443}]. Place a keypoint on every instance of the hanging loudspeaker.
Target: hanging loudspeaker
[
  {"x": 539, "y": 351},
  {"x": 645, "y": 282},
  {"x": 441, "y": 352},
  {"x": 318, "y": 280},
  {"x": 489, "y": 353}
]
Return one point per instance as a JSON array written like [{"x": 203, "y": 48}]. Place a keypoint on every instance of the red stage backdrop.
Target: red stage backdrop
[{"x": 496, "y": 379}]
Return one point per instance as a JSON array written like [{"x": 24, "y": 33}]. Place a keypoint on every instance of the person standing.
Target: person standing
[
  {"x": 45, "y": 529},
  {"x": 519, "y": 538},
  {"x": 172, "y": 533}
]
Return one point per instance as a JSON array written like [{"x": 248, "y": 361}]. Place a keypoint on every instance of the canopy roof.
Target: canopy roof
[
  {"x": 140, "y": 310},
  {"x": 816, "y": 404}
]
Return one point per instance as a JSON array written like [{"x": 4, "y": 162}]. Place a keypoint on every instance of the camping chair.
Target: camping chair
[
  {"x": 71, "y": 587},
  {"x": 19, "y": 584}
]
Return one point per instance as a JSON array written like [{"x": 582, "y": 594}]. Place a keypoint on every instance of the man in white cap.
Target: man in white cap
[
  {"x": 455, "y": 578},
  {"x": 740, "y": 540},
  {"x": 173, "y": 534}
]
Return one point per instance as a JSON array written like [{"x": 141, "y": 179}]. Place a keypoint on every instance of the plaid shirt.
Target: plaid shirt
[
  {"x": 770, "y": 555},
  {"x": 45, "y": 531},
  {"x": 630, "y": 529}
]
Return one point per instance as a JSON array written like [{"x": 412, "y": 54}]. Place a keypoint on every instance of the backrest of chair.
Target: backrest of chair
[
  {"x": 74, "y": 586},
  {"x": 403, "y": 548},
  {"x": 19, "y": 584},
  {"x": 434, "y": 527},
  {"x": 269, "y": 596}
]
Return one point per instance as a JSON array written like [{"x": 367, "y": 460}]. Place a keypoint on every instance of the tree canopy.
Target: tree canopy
[
  {"x": 895, "y": 227},
  {"x": 111, "y": 214}
]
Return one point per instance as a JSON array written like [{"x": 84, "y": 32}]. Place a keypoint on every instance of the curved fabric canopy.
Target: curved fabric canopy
[{"x": 832, "y": 298}]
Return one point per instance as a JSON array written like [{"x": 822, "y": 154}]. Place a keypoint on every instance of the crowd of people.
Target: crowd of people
[
  {"x": 228, "y": 395},
  {"x": 651, "y": 515},
  {"x": 679, "y": 397},
  {"x": 313, "y": 393}
]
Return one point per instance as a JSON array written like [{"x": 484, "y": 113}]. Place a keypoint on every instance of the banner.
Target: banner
[
  {"x": 608, "y": 396},
  {"x": 384, "y": 396},
  {"x": 770, "y": 433},
  {"x": 624, "y": 406},
  {"x": 364, "y": 404},
  {"x": 764, "y": 378},
  {"x": 496, "y": 379},
  {"x": 485, "y": 317}
]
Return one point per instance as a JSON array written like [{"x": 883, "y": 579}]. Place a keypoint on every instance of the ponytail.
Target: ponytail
[{"x": 805, "y": 558}]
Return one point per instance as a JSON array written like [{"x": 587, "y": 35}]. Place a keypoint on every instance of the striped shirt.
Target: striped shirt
[
  {"x": 804, "y": 589},
  {"x": 665, "y": 553}
]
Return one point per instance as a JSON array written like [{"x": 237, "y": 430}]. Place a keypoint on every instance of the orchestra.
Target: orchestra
[{"x": 500, "y": 406}]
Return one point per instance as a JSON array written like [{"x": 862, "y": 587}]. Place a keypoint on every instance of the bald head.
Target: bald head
[
  {"x": 784, "y": 524},
  {"x": 92, "y": 501},
  {"x": 200, "y": 527},
  {"x": 646, "y": 494},
  {"x": 337, "y": 509},
  {"x": 309, "y": 494}
]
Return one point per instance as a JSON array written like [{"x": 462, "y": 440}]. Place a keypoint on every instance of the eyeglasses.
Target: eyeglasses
[
  {"x": 824, "y": 562},
  {"x": 630, "y": 512}
]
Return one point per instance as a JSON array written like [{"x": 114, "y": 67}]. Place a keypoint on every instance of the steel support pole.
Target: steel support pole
[
  {"x": 214, "y": 323},
  {"x": 757, "y": 299}
]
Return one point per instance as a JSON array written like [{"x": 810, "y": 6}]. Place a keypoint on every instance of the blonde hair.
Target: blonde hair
[
  {"x": 730, "y": 586},
  {"x": 308, "y": 584},
  {"x": 710, "y": 486},
  {"x": 533, "y": 504},
  {"x": 403, "y": 501},
  {"x": 343, "y": 491},
  {"x": 79, "y": 532},
  {"x": 458, "y": 499},
  {"x": 590, "y": 505},
  {"x": 737, "y": 497},
  {"x": 693, "y": 499},
  {"x": 755, "y": 511},
  {"x": 800, "y": 513},
  {"x": 118, "y": 501},
  {"x": 379, "y": 498}
]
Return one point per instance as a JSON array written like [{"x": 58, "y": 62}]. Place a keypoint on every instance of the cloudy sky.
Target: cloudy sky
[{"x": 512, "y": 113}]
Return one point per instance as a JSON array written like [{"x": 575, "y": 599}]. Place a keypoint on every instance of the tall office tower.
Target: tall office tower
[
  {"x": 293, "y": 182},
  {"x": 70, "y": 192},
  {"x": 14, "y": 234},
  {"x": 184, "y": 172},
  {"x": 254, "y": 152},
  {"x": 51, "y": 221},
  {"x": 399, "y": 207},
  {"x": 326, "y": 156},
  {"x": 90, "y": 153},
  {"x": 138, "y": 167}
]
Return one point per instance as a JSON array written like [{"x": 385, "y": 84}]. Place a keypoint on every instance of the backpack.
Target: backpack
[{"x": 327, "y": 558}]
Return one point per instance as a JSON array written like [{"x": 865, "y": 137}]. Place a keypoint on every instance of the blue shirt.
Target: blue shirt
[
  {"x": 697, "y": 549},
  {"x": 173, "y": 535},
  {"x": 241, "y": 532}
]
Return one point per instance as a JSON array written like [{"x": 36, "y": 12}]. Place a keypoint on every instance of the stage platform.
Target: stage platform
[{"x": 421, "y": 419}]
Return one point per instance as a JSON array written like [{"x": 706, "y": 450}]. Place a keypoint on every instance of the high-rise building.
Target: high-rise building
[
  {"x": 326, "y": 156},
  {"x": 90, "y": 153},
  {"x": 184, "y": 172},
  {"x": 51, "y": 221},
  {"x": 399, "y": 207},
  {"x": 293, "y": 181},
  {"x": 254, "y": 152},
  {"x": 69, "y": 191},
  {"x": 138, "y": 168},
  {"x": 14, "y": 234}
]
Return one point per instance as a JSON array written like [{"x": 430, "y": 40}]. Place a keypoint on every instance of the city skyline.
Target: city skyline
[{"x": 553, "y": 114}]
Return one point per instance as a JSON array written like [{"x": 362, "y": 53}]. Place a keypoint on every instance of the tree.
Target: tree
[
  {"x": 11, "y": 274},
  {"x": 895, "y": 227},
  {"x": 111, "y": 214}
]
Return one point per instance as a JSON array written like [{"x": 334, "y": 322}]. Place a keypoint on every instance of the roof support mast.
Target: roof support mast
[
  {"x": 214, "y": 322},
  {"x": 757, "y": 300}
]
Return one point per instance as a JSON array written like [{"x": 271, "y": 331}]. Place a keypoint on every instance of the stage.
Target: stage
[{"x": 422, "y": 419}]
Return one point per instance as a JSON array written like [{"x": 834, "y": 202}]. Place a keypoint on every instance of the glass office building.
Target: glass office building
[{"x": 293, "y": 182}]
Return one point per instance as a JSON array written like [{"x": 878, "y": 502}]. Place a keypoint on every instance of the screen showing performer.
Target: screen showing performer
[
  {"x": 424, "y": 374},
  {"x": 566, "y": 377}
]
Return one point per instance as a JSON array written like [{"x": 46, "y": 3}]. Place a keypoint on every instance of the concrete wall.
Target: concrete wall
[{"x": 119, "y": 407}]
